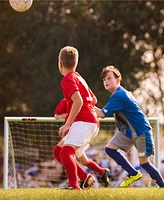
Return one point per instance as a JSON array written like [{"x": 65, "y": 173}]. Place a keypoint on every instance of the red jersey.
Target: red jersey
[
  {"x": 74, "y": 82},
  {"x": 61, "y": 107}
]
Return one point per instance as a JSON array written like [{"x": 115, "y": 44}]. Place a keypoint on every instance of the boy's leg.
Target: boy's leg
[
  {"x": 104, "y": 172},
  {"x": 79, "y": 134},
  {"x": 145, "y": 143},
  {"x": 90, "y": 164},
  {"x": 95, "y": 167},
  {"x": 81, "y": 173},
  {"x": 73, "y": 168},
  {"x": 56, "y": 153},
  {"x": 57, "y": 149},
  {"x": 86, "y": 180},
  {"x": 154, "y": 173},
  {"x": 121, "y": 160},
  {"x": 68, "y": 159},
  {"x": 120, "y": 141}
]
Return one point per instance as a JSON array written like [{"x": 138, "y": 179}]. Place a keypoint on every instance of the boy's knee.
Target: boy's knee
[
  {"x": 111, "y": 152},
  {"x": 108, "y": 150},
  {"x": 84, "y": 162},
  {"x": 56, "y": 150}
]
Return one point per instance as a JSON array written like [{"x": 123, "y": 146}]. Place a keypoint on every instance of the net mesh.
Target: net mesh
[{"x": 31, "y": 162}]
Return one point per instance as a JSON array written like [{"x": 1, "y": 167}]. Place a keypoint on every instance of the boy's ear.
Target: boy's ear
[
  {"x": 61, "y": 64},
  {"x": 118, "y": 80}
]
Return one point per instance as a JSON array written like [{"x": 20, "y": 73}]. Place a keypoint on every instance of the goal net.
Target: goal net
[{"x": 28, "y": 157}]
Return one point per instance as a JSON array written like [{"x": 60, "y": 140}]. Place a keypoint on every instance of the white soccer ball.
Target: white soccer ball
[{"x": 20, "y": 5}]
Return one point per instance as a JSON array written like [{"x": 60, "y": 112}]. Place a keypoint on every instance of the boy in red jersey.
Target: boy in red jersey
[
  {"x": 81, "y": 121},
  {"x": 61, "y": 110},
  {"x": 61, "y": 113}
]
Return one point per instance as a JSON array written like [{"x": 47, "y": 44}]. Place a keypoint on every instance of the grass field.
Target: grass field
[{"x": 90, "y": 194}]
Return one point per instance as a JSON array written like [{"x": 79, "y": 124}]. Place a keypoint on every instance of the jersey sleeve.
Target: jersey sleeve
[
  {"x": 114, "y": 104},
  {"x": 61, "y": 107},
  {"x": 69, "y": 86}
]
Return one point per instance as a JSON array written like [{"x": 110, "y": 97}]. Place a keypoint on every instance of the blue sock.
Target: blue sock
[
  {"x": 121, "y": 160},
  {"x": 154, "y": 173}
]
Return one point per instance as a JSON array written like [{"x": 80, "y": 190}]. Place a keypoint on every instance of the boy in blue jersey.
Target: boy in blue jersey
[{"x": 133, "y": 128}]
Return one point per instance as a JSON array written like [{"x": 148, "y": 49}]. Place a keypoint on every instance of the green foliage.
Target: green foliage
[{"x": 105, "y": 32}]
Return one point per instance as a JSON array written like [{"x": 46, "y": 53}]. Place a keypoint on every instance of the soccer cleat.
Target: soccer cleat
[
  {"x": 131, "y": 179},
  {"x": 88, "y": 182},
  {"x": 105, "y": 178},
  {"x": 81, "y": 183}
]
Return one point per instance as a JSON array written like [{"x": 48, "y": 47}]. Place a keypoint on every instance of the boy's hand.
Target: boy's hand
[{"x": 62, "y": 130}]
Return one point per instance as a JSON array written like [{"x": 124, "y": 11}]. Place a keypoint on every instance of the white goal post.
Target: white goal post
[{"x": 30, "y": 139}]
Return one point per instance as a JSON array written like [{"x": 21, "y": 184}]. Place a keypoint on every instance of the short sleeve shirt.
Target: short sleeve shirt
[
  {"x": 123, "y": 104},
  {"x": 61, "y": 107},
  {"x": 74, "y": 82}
]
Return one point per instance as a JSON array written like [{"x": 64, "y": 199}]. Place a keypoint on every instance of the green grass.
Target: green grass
[{"x": 91, "y": 194}]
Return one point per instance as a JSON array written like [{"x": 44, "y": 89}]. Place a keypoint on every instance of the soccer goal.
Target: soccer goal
[{"x": 28, "y": 145}]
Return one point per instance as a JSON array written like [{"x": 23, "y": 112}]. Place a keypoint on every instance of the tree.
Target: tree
[{"x": 105, "y": 32}]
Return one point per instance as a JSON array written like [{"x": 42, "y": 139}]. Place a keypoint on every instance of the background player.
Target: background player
[{"x": 133, "y": 128}]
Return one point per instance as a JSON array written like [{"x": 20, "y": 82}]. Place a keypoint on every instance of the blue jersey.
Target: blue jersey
[{"x": 128, "y": 114}]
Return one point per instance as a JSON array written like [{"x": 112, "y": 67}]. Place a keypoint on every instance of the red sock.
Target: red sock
[
  {"x": 56, "y": 152},
  {"x": 81, "y": 172},
  {"x": 67, "y": 155},
  {"x": 95, "y": 167}
]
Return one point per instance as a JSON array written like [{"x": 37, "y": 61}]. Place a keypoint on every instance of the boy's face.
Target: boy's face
[{"x": 110, "y": 82}]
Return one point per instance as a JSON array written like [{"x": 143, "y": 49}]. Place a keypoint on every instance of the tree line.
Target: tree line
[{"x": 126, "y": 34}]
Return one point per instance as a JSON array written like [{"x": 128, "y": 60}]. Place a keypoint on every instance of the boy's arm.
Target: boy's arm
[
  {"x": 61, "y": 110},
  {"x": 99, "y": 112},
  {"x": 76, "y": 107},
  {"x": 62, "y": 116}
]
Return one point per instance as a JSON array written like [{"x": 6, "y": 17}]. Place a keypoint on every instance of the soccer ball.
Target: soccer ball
[{"x": 20, "y": 5}]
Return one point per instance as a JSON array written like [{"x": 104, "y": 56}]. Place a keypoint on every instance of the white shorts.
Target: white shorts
[
  {"x": 80, "y": 134},
  {"x": 82, "y": 150}
]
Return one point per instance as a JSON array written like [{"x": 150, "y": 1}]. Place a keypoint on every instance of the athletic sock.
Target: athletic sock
[
  {"x": 67, "y": 155},
  {"x": 121, "y": 160},
  {"x": 154, "y": 173},
  {"x": 81, "y": 172},
  {"x": 95, "y": 167},
  {"x": 56, "y": 152}
]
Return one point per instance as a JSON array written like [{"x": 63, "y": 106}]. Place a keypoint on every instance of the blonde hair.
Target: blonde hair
[
  {"x": 68, "y": 56},
  {"x": 113, "y": 69}
]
